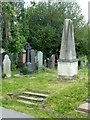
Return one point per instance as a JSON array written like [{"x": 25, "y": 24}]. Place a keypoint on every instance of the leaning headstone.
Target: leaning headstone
[
  {"x": 53, "y": 62},
  {"x": 33, "y": 59},
  {"x": 67, "y": 64},
  {"x": 7, "y": 66},
  {"x": 40, "y": 59}
]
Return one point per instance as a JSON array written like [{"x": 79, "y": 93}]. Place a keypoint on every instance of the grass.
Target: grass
[{"x": 64, "y": 95}]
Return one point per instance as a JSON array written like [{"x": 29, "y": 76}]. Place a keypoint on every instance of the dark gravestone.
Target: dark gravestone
[
  {"x": 0, "y": 65},
  {"x": 33, "y": 59},
  {"x": 28, "y": 58}
]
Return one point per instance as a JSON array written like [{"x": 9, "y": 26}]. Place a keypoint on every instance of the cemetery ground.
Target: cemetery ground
[{"x": 64, "y": 95}]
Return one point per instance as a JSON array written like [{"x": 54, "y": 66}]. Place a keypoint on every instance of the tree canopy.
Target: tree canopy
[{"x": 41, "y": 25}]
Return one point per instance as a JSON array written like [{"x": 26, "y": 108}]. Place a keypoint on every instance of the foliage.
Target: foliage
[
  {"x": 46, "y": 21},
  {"x": 13, "y": 38},
  {"x": 25, "y": 70},
  {"x": 41, "y": 25}
]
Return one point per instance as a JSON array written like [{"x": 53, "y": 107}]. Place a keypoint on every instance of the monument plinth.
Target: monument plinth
[{"x": 67, "y": 63}]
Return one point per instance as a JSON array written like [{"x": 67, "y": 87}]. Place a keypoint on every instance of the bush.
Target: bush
[{"x": 25, "y": 70}]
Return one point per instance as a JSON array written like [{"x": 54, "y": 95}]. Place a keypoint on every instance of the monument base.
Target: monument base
[{"x": 67, "y": 69}]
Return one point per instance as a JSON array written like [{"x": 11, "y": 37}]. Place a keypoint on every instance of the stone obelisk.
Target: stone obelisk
[{"x": 67, "y": 63}]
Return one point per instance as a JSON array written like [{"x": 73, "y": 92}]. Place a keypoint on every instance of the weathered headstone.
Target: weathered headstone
[
  {"x": 22, "y": 58},
  {"x": 45, "y": 63},
  {"x": 40, "y": 59},
  {"x": 7, "y": 66},
  {"x": 82, "y": 61},
  {"x": 53, "y": 62},
  {"x": 33, "y": 59},
  {"x": 67, "y": 64},
  {"x": 48, "y": 63},
  {"x": 28, "y": 57}
]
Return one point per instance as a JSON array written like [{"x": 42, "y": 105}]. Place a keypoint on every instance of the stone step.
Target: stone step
[
  {"x": 36, "y": 94},
  {"x": 31, "y": 98},
  {"x": 26, "y": 102}
]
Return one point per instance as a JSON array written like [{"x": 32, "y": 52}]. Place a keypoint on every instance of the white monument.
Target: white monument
[
  {"x": 40, "y": 59},
  {"x": 7, "y": 66},
  {"x": 67, "y": 63}
]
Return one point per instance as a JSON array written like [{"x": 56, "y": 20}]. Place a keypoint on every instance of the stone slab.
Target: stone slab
[
  {"x": 31, "y": 98},
  {"x": 36, "y": 94},
  {"x": 85, "y": 107},
  {"x": 26, "y": 102}
]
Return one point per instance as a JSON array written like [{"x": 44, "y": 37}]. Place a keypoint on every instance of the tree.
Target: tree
[{"x": 43, "y": 18}]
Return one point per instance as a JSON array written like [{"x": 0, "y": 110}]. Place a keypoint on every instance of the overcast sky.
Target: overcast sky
[{"x": 82, "y": 3}]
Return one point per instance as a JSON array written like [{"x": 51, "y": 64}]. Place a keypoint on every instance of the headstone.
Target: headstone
[
  {"x": 53, "y": 62},
  {"x": 0, "y": 65},
  {"x": 48, "y": 63},
  {"x": 33, "y": 59},
  {"x": 45, "y": 63},
  {"x": 82, "y": 61},
  {"x": 22, "y": 58},
  {"x": 28, "y": 57},
  {"x": 7, "y": 66},
  {"x": 40, "y": 59},
  {"x": 67, "y": 64}
]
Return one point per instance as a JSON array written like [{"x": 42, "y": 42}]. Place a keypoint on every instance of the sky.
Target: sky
[{"x": 82, "y": 3}]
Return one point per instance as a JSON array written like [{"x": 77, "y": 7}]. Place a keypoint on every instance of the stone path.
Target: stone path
[{"x": 7, "y": 113}]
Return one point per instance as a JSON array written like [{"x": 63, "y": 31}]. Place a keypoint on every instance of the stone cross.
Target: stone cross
[
  {"x": 28, "y": 53},
  {"x": 7, "y": 66}
]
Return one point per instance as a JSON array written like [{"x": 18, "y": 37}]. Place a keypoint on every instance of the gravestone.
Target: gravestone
[
  {"x": 45, "y": 63},
  {"x": 28, "y": 57},
  {"x": 33, "y": 59},
  {"x": 0, "y": 65},
  {"x": 82, "y": 61},
  {"x": 53, "y": 62},
  {"x": 7, "y": 66},
  {"x": 40, "y": 59},
  {"x": 48, "y": 63},
  {"x": 22, "y": 58},
  {"x": 67, "y": 63}
]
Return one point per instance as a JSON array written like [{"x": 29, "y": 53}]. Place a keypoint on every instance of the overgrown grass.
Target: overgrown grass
[{"x": 64, "y": 95}]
